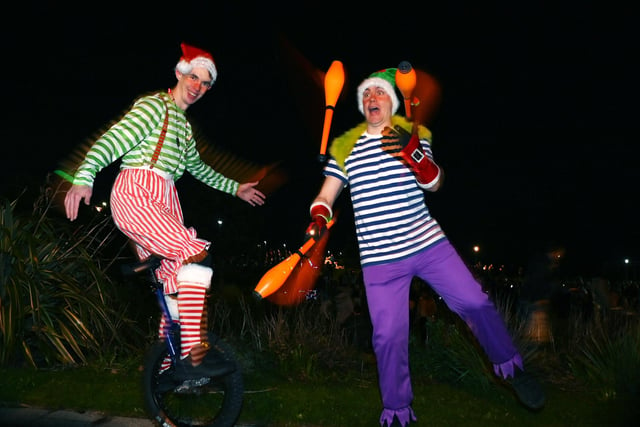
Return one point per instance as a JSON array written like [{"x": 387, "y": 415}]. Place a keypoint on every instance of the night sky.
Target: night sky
[{"x": 533, "y": 129}]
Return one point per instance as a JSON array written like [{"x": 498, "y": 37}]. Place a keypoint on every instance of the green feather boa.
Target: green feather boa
[{"x": 342, "y": 145}]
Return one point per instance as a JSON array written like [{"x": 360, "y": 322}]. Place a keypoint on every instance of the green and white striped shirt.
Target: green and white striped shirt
[{"x": 135, "y": 136}]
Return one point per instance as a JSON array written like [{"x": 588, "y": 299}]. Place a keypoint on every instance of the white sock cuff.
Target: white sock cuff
[{"x": 195, "y": 273}]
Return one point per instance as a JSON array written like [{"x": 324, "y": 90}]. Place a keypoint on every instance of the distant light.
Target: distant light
[
  {"x": 220, "y": 222},
  {"x": 476, "y": 248},
  {"x": 626, "y": 260}
]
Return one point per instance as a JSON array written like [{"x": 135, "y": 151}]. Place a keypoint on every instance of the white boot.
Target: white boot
[{"x": 195, "y": 273}]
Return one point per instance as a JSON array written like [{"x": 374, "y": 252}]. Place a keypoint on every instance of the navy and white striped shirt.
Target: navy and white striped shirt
[{"x": 391, "y": 217}]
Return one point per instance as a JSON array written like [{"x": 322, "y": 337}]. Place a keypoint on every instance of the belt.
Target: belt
[{"x": 163, "y": 174}]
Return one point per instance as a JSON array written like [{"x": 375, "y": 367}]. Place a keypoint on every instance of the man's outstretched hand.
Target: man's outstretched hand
[
  {"x": 400, "y": 143},
  {"x": 72, "y": 200},
  {"x": 394, "y": 140},
  {"x": 250, "y": 194}
]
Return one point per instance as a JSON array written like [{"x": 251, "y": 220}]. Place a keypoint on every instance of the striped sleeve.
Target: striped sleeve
[
  {"x": 205, "y": 173},
  {"x": 121, "y": 138}
]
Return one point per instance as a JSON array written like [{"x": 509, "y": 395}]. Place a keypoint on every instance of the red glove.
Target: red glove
[
  {"x": 426, "y": 171},
  {"x": 320, "y": 215}
]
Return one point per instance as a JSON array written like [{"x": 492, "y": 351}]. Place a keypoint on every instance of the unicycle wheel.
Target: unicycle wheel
[{"x": 214, "y": 402}]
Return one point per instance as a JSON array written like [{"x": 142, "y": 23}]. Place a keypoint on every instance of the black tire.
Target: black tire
[{"x": 216, "y": 404}]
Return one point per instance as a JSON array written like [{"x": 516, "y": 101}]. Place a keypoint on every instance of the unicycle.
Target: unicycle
[{"x": 207, "y": 401}]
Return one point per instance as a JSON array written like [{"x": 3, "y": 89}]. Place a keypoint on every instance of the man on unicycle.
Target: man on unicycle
[{"x": 155, "y": 142}]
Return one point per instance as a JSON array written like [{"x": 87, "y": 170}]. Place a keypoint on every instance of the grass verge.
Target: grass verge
[{"x": 276, "y": 401}]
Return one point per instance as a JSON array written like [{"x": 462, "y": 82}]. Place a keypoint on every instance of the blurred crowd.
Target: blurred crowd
[{"x": 535, "y": 291}]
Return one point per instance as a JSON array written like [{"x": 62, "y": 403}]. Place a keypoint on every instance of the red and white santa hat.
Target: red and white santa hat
[{"x": 196, "y": 57}]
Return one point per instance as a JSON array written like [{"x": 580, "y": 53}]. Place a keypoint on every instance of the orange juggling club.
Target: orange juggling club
[
  {"x": 406, "y": 82},
  {"x": 333, "y": 82},
  {"x": 278, "y": 274}
]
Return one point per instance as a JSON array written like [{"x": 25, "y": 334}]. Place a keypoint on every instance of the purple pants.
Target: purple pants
[{"x": 387, "y": 287}]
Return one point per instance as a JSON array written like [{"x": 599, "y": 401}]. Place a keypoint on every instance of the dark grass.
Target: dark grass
[
  {"x": 272, "y": 400},
  {"x": 299, "y": 368}
]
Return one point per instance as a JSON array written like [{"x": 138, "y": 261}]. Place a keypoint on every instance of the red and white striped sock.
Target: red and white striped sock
[{"x": 191, "y": 298}]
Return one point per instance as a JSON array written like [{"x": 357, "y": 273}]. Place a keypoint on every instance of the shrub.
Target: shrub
[
  {"x": 606, "y": 356},
  {"x": 56, "y": 300}
]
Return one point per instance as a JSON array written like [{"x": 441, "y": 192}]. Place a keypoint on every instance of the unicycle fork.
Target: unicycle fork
[{"x": 214, "y": 401}]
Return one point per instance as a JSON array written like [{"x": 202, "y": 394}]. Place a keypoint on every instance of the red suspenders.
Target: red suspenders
[{"x": 163, "y": 133}]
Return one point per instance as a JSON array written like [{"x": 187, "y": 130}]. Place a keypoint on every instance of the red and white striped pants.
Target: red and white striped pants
[{"x": 146, "y": 208}]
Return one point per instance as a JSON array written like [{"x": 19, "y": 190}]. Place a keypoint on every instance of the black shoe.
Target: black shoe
[
  {"x": 527, "y": 389},
  {"x": 166, "y": 382},
  {"x": 186, "y": 371},
  {"x": 219, "y": 367},
  {"x": 216, "y": 360}
]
